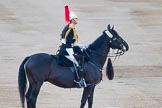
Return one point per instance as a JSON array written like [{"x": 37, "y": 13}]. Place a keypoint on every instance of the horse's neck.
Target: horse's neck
[
  {"x": 100, "y": 58},
  {"x": 99, "y": 54}
]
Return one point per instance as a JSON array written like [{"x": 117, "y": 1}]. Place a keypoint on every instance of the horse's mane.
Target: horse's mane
[{"x": 97, "y": 43}]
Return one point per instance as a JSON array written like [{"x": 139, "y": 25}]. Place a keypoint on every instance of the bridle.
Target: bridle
[{"x": 117, "y": 54}]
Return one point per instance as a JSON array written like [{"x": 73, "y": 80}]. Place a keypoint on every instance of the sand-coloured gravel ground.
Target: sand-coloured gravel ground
[{"x": 33, "y": 26}]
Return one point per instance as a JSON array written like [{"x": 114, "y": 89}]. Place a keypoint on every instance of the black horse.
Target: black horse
[{"x": 42, "y": 67}]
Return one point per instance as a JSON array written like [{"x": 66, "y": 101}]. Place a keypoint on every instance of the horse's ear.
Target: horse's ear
[
  {"x": 108, "y": 27},
  {"x": 113, "y": 27}
]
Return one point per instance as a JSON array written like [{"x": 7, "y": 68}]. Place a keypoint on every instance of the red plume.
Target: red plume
[{"x": 67, "y": 12}]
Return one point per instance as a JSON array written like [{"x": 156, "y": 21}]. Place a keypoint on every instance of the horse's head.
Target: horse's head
[{"x": 114, "y": 39}]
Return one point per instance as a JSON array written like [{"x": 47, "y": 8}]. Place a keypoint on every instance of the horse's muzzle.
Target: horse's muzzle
[{"x": 124, "y": 47}]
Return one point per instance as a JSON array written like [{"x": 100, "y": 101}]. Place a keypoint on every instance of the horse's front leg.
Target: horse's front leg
[
  {"x": 86, "y": 93},
  {"x": 90, "y": 98}
]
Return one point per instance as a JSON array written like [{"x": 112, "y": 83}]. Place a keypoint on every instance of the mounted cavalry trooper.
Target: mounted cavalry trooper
[{"x": 69, "y": 39}]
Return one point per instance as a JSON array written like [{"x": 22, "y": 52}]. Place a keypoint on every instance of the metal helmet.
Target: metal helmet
[{"x": 73, "y": 16}]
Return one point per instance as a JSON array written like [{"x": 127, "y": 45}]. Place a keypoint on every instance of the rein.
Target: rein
[{"x": 118, "y": 53}]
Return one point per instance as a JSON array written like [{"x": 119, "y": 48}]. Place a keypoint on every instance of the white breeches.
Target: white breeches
[{"x": 71, "y": 56}]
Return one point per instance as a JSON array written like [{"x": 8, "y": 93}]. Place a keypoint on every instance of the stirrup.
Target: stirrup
[
  {"x": 78, "y": 84},
  {"x": 83, "y": 83}
]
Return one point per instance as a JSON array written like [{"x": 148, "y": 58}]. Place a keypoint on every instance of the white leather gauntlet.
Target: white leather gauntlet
[
  {"x": 81, "y": 46},
  {"x": 63, "y": 41}
]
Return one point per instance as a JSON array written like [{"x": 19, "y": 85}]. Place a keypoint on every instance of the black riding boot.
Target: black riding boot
[{"x": 80, "y": 80}]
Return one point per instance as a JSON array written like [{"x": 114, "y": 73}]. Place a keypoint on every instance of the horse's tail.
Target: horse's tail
[{"x": 22, "y": 81}]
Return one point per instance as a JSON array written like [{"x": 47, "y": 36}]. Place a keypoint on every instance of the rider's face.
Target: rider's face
[{"x": 75, "y": 20}]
